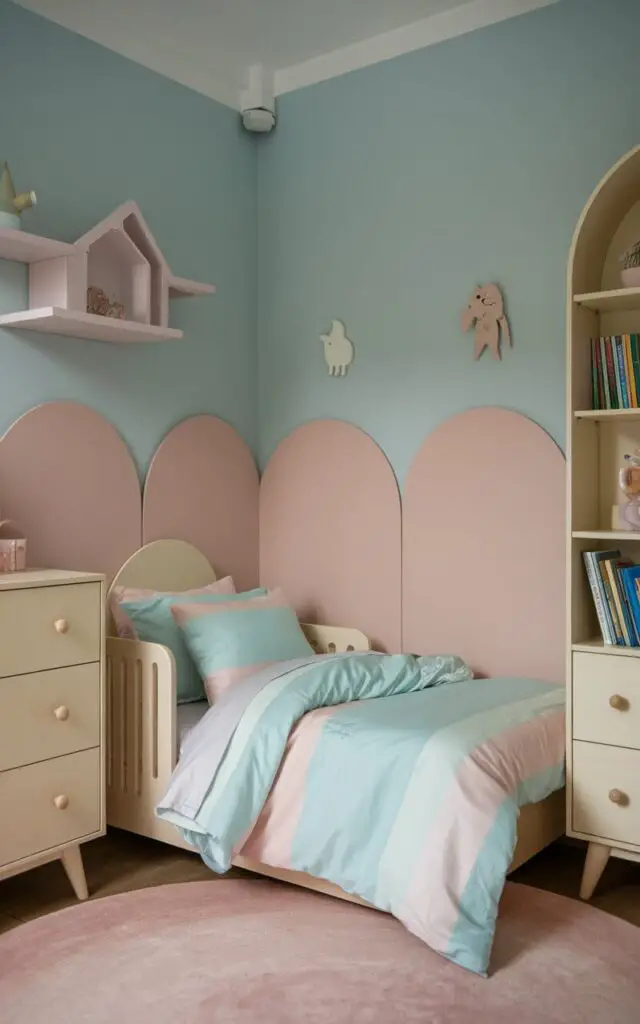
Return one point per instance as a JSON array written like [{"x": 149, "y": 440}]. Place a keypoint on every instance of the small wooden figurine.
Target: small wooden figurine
[
  {"x": 338, "y": 349},
  {"x": 630, "y": 264},
  {"x": 99, "y": 303},
  {"x": 629, "y": 481},
  {"x": 12, "y": 205},
  {"x": 485, "y": 313}
]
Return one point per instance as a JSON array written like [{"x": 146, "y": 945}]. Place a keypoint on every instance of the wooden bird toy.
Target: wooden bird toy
[{"x": 12, "y": 204}]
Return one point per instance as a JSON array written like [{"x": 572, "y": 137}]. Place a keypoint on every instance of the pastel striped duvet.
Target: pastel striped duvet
[{"x": 398, "y": 778}]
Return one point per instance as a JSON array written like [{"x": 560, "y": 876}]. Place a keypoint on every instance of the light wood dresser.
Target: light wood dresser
[{"x": 52, "y": 791}]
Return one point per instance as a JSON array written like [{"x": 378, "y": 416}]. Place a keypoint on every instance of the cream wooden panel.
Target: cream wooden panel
[
  {"x": 48, "y": 804},
  {"x": 48, "y": 714},
  {"x": 165, "y": 565},
  {"x": 335, "y": 639},
  {"x": 48, "y": 627},
  {"x": 606, "y": 792},
  {"x": 606, "y": 699}
]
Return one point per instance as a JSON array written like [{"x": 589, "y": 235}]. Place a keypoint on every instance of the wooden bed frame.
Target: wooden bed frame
[{"x": 142, "y": 718}]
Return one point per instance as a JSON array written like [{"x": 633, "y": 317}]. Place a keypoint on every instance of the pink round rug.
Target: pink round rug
[{"x": 255, "y": 952}]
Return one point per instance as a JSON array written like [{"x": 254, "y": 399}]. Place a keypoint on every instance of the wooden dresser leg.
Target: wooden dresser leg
[
  {"x": 594, "y": 865},
  {"x": 72, "y": 864}
]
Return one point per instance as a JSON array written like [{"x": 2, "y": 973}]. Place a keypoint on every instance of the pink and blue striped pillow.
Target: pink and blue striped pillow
[{"x": 232, "y": 639}]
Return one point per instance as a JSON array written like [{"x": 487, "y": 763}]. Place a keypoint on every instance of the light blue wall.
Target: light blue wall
[
  {"x": 385, "y": 195},
  {"x": 89, "y": 129},
  {"x": 382, "y": 198}
]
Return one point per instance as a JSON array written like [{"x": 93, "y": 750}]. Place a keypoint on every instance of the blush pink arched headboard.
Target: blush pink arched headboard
[
  {"x": 330, "y": 530},
  {"x": 68, "y": 479},
  {"x": 483, "y": 546},
  {"x": 202, "y": 487}
]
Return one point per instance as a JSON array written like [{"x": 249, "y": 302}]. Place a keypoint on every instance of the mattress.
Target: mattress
[{"x": 188, "y": 717}]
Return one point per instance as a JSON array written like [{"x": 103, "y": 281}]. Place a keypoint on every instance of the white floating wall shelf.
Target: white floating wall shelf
[{"x": 121, "y": 257}]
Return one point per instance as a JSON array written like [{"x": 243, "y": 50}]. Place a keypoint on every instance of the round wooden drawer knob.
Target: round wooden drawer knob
[
  {"x": 61, "y": 713},
  {"x": 61, "y": 626},
  {"x": 61, "y": 802},
  {"x": 616, "y": 796},
  {"x": 618, "y": 703}
]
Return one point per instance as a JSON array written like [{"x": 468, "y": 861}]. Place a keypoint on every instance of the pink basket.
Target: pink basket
[{"x": 13, "y": 547}]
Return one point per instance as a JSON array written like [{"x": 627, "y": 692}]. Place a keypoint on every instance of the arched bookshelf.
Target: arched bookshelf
[{"x": 603, "y": 701}]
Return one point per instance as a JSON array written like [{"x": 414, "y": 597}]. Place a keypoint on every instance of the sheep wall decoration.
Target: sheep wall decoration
[
  {"x": 338, "y": 349},
  {"x": 485, "y": 313}
]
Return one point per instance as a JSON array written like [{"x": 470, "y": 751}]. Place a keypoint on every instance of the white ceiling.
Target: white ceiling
[{"x": 210, "y": 45}]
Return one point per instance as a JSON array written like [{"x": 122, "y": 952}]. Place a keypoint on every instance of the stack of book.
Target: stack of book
[
  {"x": 615, "y": 587},
  {"x": 615, "y": 372}
]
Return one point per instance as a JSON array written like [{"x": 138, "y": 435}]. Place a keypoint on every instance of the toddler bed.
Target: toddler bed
[{"x": 147, "y": 729}]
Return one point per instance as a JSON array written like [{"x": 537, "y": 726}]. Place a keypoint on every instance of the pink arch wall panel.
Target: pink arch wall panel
[
  {"x": 330, "y": 530},
  {"x": 483, "y": 546},
  {"x": 202, "y": 487},
  {"x": 68, "y": 479}
]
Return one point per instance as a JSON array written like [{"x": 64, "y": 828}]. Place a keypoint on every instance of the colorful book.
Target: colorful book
[
  {"x": 604, "y": 373},
  {"x": 603, "y": 567},
  {"x": 635, "y": 359},
  {"x": 595, "y": 397},
  {"x": 617, "y": 369},
  {"x": 621, "y": 369},
  {"x": 634, "y": 633},
  {"x": 601, "y": 397},
  {"x": 629, "y": 579},
  {"x": 622, "y": 623},
  {"x": 628, "y": 362},
  {"x": 615, "y": 372},
  {"x": 591, "y": 560},
  {"x": 611, "y": 375}
]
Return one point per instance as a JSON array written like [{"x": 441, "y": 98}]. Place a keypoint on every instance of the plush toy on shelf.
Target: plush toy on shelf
[
  {"x": 629, "y": 480},
  {"x": 11, "y": 204},
  {"x": 630, "y": 264}
]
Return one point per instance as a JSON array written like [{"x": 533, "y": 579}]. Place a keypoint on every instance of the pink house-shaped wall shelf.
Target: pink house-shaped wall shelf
[{"x": 120, "y": 256}]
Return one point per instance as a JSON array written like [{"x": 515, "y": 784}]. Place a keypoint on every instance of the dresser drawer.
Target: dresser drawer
[
  {"x": 606, "y": 792},
  {"x": 48, "y": 627},
  {"x": 606, "y": 699},
  {"x": 48, "y": 804},
  {"x": 48, "y": 714}
]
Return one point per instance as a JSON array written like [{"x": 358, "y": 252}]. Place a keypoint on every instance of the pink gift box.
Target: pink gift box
[{"x": 13, "y": 547}]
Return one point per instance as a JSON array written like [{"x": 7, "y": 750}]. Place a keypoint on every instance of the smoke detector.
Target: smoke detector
[{"x": 258, "y": 119}]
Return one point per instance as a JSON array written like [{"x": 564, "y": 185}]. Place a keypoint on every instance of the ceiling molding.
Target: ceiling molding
[
  {"x": 416, "y": 36},
  {"x": 220, "y": 76}
]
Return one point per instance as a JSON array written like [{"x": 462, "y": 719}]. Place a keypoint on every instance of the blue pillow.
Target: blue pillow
[
  {"x": 153, "y": 622},
  {"x": 233, "y": 638}
]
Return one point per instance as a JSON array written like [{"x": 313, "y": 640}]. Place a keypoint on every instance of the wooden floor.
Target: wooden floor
[{"x": 121, "y": 862}]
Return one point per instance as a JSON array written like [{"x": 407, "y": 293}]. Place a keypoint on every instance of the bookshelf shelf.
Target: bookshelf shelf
[
  {"x": 610, "y": 301},
  {"x": 596, "y": 646},
  {"x": 607, "y": 414},
  {"x": 606, "y": 535}
]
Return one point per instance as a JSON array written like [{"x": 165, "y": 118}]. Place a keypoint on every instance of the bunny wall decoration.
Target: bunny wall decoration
[
  {"x": 338, "y": 349},
  {"x": 485, "y": 313}
]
